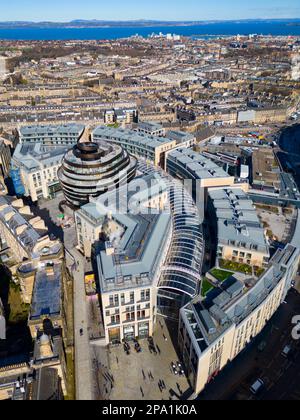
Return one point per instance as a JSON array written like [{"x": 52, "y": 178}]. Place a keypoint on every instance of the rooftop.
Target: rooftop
[
  {"x": 209, "y": 319},
  {"x": 129, "y": 136},
  {"x": 34, "y": 156},
  {"x": 196, "y": 165},
  {"x": 46, "y": 298},
  {"x": 12, "y": 219},
  {"x": 237, "y": 219},
  {"x": 137, "y": 252},
  {"x": 180, "y": 136},
  {"x": 51, "y": 130},
  {"x": 150, "y": 126}
]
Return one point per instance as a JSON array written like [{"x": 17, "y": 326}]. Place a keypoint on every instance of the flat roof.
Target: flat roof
[
  {"x": 137, "y": 253},
  {"x": 41, "y": 130},
  {"x": 34, "y": 156},
  {"x": 180, "y": 136},
  {"x": 150, "y": 126},
  {"x": 46, "y": 298}
]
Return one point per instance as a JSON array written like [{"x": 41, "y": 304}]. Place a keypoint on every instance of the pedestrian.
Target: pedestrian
[
  {"x": 117, "y": 359},
  {"x": 144, "y": 376},
  {"x": 142, "y": 392}
]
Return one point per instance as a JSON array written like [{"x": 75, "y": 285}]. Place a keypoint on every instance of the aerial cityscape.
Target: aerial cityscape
[{"x": 150, "y": 202}]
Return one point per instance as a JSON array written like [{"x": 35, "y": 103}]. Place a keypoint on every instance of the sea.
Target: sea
[{"x": 205, "y": 31}]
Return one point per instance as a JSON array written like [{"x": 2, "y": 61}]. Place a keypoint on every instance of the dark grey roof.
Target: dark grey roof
[{"x": 46, "y": 298}]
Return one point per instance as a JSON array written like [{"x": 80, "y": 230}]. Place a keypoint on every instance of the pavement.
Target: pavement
[
  {"x": 279, "y": 224},
  {"x": 83, "y": 363},
  {"x": 137, "y": 376},
  {"x": 48, "y": 210}
]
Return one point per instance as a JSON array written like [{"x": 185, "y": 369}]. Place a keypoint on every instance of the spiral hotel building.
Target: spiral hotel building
[{"x": 90, "y": 169}]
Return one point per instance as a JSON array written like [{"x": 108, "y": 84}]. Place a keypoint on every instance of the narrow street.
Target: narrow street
[{"x": 83, "y": 365}]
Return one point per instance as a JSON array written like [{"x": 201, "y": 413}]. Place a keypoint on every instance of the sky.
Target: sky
[{"x": 66, "y": 10}]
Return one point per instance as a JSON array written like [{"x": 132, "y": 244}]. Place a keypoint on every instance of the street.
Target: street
[{"x": 83, "y": 366}]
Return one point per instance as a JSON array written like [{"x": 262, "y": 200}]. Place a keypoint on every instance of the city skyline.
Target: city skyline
[{"x": 192, "y": 10}]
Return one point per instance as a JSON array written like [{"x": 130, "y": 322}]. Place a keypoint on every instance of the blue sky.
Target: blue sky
[{"x": 62, "y": 10}]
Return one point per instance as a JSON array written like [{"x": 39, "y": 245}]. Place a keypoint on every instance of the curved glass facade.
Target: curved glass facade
[
  {"x": 180, "y": 279},
  {"x": 181, "y": 274}
]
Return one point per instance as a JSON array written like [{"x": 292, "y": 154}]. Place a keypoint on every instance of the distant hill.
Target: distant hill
[{"x": 82, "y": 23}]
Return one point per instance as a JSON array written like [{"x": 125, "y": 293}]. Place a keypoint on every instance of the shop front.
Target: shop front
[
  {"x": 144, "y": 330},
  {"x": 114, "y": 335},
  {"x": 129, "y": 333}
]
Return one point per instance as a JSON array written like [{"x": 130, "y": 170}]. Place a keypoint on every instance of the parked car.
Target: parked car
[
  {"x": 257, "y": 387},
  {"x": 286, "y": 351}
]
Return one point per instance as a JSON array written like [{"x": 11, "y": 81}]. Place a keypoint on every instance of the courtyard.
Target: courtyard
[{"x": 276, "y": 222}]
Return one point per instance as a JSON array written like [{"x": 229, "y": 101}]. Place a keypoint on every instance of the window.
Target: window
[
  {"x": 122, "y": 299},
  {"x": 145, "y": 295},
  {"x": 115, "y": 319},
  {"x": 130, "y": 316},
  {"x": 113, "y": 300},
  {"x": 141, "y": 314}
]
